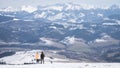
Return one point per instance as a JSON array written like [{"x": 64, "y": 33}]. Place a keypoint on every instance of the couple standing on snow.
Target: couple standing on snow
[{"x": 40, "y": 57}]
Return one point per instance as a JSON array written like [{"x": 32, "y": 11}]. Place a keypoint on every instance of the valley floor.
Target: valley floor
[{"x": 65, "y": 65}]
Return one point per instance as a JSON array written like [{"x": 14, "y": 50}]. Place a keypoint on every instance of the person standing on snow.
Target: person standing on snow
[
  {"x": 42, "y": 57},
  {"x": 37, "y": 57}
]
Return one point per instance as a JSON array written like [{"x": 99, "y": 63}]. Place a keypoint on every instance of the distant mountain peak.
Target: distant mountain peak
[
  {"x": 9, "y": 9},
  {"x": 29, "y": 9},
  {"x": 68, "y": 6},
  {"x": 115, "y": 7}
]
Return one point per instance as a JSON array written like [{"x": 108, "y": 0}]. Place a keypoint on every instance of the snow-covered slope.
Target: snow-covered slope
[
  {"x": 65, "y": 65},
  {"x": 17, "y": 61},
  {"x": 29, "y": 57}
]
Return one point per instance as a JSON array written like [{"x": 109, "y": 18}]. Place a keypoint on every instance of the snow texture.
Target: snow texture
[{"x": 65, "y": 65}]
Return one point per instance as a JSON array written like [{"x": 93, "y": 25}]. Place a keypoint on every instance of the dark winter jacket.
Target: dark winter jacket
[{"x": 42, "y": 56}]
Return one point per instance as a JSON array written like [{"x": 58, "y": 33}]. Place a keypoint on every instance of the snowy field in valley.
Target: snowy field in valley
[{"x": 65, "y": 65}]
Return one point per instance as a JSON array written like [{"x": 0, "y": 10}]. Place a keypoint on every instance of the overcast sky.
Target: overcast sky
[{"x": 18, "y": 3}]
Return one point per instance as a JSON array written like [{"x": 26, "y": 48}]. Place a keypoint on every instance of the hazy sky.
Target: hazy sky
[{"x": 18, "y": 3}]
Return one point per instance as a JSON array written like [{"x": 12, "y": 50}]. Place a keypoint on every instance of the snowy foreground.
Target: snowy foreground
[
  {"x": 65, "y": 65},
  {"x": 17, "y": 61}
]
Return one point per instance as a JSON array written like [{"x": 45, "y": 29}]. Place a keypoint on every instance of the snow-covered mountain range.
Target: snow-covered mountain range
[{"x": 84, "y": 32}]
